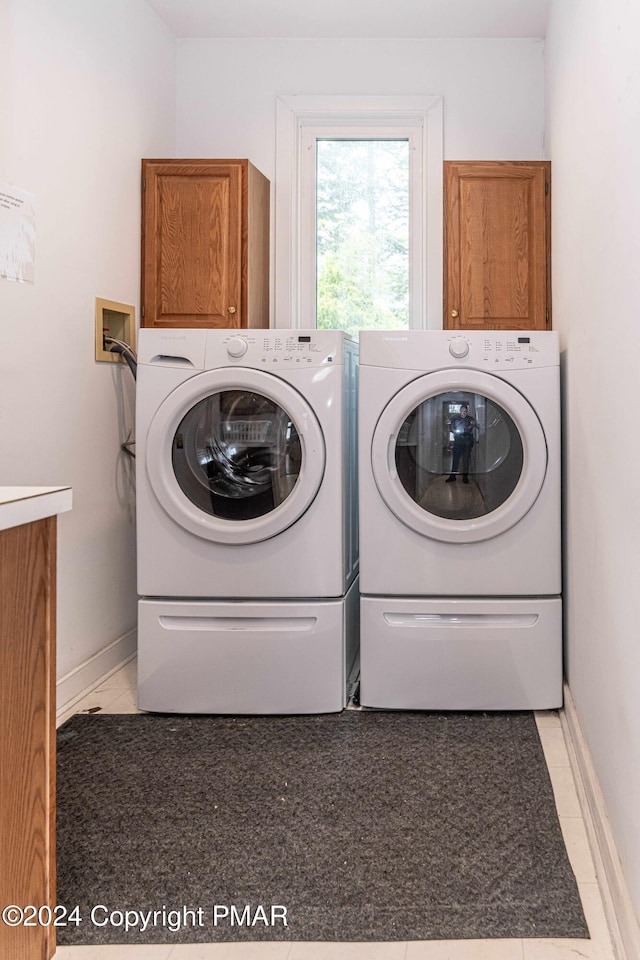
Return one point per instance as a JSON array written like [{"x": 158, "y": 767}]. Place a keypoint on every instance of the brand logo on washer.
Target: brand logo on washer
[{"x": 396, "y": 339}]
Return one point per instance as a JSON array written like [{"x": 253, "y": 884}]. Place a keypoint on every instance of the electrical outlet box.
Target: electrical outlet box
[{"x": 116, "y": 320}]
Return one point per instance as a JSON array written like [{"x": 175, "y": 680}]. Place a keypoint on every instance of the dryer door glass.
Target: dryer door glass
[
  {"x": 236, "y": 455},
  {"x": 459, "y": 455}
]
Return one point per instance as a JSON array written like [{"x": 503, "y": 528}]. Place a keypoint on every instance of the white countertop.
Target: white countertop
[{"x": 20, "y": 505}]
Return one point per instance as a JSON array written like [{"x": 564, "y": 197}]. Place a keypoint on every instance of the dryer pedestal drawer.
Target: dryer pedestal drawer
[
  {"x": 461, "y": 654},
  {"x": 246, "y": 657}
]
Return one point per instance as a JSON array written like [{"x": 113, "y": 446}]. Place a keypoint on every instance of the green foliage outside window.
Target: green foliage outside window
[{"x": 362, "y": 216}]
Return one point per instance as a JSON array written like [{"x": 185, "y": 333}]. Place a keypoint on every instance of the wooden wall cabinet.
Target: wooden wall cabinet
[
  {"x": 205, "y": 244},
  {"x": 497, "y": 245}
]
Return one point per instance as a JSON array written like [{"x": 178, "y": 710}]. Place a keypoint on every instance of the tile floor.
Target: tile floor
[{"x": 117, "y": 695}]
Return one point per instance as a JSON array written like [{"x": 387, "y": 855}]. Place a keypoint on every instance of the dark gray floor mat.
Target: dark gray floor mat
[{"x": 363, "y": 825}]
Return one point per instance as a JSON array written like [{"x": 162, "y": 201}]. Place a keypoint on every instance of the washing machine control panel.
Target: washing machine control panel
[{"x": 275, "y": 349}]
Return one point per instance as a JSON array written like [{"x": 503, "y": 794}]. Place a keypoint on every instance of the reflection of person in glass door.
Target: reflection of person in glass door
[{"x": 461, "y": 427}]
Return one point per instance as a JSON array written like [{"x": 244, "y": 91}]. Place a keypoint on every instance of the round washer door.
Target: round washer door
[
  {"x": 459, "y": 456},
  {"x": 235, "y": 455}
]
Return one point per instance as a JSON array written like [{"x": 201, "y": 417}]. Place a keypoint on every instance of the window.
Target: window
[
  {"x": 359, "y": 212},
  {"x": 356, "y": 228}
]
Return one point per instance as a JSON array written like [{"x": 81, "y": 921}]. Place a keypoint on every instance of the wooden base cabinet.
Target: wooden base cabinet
[
  {"x": 205, "y": 244},
  {"x": 27, "y": 733},
  {"x": 497, "y": 245}
]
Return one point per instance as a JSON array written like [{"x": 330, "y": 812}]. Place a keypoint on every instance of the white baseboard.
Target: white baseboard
[
  {"x": 90, "y": 674},
  {"x": 621, "y": 917}
]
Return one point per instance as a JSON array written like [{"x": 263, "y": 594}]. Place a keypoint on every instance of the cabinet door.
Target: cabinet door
[
  {"x": 497, "y": 238},
  {"x": 191, "y": 243},
  {"x": 27, "y": 732}
]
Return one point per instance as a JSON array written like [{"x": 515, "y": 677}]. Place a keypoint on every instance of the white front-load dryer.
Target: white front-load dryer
[
  {"x": 460, "y": 560},
  {"x": 246, "y": 519}
]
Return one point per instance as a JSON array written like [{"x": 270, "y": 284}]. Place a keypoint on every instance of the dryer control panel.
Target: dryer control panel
[{"x": 490, "y": 350}]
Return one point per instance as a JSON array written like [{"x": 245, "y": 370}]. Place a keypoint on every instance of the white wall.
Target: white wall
[
  {"x": 593, "y": 128},
  {"x": 493, "y": 90},
  {"x": 87, "y": 90}
]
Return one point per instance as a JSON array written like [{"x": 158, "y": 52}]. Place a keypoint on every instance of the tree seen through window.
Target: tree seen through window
[{"x": 362, "y": 234}]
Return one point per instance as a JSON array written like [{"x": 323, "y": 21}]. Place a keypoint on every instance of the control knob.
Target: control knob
[
  {"x": 458, "y": 348},
  {"x": 237, "y": 347}
]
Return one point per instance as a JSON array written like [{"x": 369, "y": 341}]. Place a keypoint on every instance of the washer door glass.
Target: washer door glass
[
  {"x": 459, "y": 455},
  {"x": 236, "y": 455}
]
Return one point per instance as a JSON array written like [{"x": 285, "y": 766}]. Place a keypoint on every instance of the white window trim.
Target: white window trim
[{"x": 292, "y": 113}]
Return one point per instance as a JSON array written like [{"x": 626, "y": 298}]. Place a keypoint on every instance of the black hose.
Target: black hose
[{"x": 131, "y": 363}]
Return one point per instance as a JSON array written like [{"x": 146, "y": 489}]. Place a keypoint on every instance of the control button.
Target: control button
[
  {"x": 458, "y": 348},
  {"x": 237, "y": 347}
]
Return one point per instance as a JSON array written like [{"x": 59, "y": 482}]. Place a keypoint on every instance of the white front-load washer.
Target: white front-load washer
[
  {"x": 246, "y": 520},
  {"x": 460, "y": 559}
]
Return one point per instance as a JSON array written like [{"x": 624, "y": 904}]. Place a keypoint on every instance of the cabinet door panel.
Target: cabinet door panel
[
  {"x": 195, "y": 275},
  {"x": 496, "y": 240},
  {"x": 27, "y": 732},
  {"x": 192, "y": 246}
]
